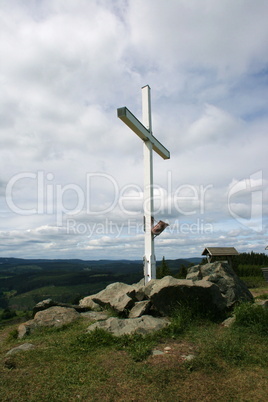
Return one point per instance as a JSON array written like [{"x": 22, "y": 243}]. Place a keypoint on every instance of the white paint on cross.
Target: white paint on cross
[{"x": 144, "y": 131}]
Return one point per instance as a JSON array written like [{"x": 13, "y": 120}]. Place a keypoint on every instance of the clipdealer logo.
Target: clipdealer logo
[
  {"x": 63, "y": 201},
  {"x": 248, "y": 214}
]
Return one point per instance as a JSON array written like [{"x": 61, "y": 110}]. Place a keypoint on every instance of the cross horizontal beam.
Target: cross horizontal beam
[{"x": 135, "y": 125}]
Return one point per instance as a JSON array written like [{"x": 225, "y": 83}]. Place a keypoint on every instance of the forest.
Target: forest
[{"x": 23, "y": 283}]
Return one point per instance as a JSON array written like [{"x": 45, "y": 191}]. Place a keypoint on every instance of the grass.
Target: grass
[
  {"x": 69, "y": 364},
  {"x": 255, "y": 282},
  {"x": 262, "y": 296},
  {"x": 253, "y": 318}
]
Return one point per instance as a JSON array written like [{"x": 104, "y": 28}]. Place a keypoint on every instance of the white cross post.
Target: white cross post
[{"x": 144, "y": 131}]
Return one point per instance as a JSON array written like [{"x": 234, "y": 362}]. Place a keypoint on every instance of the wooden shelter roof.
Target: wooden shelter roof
[{"x": 220, "y": 251}]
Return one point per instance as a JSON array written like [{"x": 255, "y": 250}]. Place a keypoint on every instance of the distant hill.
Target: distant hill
[
  {"x": 19, "y": 265},
  {"x": 25, "y": 282}
]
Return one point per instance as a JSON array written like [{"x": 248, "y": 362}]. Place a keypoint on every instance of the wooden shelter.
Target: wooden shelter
[
  {"x": 265, "y": 273},
  {"x": 214, "y": 252}
]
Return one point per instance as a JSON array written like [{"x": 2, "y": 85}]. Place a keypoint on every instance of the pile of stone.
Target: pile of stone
[
  {"x": 144, "y": 308},
  {"x": 221, "y": 274}
]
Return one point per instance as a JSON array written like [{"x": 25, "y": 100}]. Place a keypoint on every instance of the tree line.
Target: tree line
[{"x": 244, "y": 265}]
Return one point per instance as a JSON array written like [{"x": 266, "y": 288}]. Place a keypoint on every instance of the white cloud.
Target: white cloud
[
  {"x": 200, "y": 34},
  {"x": 67, "y": 66}
]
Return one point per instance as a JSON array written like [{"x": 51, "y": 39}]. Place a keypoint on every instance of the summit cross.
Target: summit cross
[{"x": 144, "y": 131}]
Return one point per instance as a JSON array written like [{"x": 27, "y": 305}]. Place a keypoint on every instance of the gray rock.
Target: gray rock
[
  {"x": 213, "y": 286},
  {"x": 157, "y": 352},
  {"x": 26, "y": 328},
  {"x": 142, "y": 325},
  {"x": 43, "y": 305},
  {"x": 263, "y": 303},
  {"x": 228, "y": 322},
  {"x": 56, "y": 316},
  {"x": 21, "y": 348},
  {"x": 167, "y": 293},
  {"x": 220, "y": 273},
  {"x": 140, "y": 308},
  {"x": 88, "y": 302},
  {"x": 118, "y": 296},
  {"x": 51, "y": 317},
  {"x": 188, "y": 358},
  {"x": 95, "y": 315}
]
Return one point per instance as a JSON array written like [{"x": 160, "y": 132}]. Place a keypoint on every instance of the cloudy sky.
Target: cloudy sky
[{"x": 71, "y": 173}]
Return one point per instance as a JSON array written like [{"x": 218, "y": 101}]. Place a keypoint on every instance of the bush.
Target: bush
[
  {"x": 7, "y": 314},
  {"x": 253, "y": 317},
  {"x": 138, "y": 346},
  {"x": 13, "y": 334},
  {"x": 182, "y": 317},
  {"x": 95, "y": 339}
]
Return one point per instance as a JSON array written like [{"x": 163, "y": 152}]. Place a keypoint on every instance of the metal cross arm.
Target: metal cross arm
[{"x": 135, "y": 125}]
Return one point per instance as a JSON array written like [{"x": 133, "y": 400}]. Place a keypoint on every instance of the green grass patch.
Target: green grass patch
[
  {"x": 138, "y": 346},
  {"x": 70, "y": 364},
  {"x": 262, "y": 296},
  {"x": 254, "y": 281},
  {"x": 252, "y": 317}
]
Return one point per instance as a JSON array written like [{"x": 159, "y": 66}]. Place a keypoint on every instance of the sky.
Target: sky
[{"x": 71, "y": 172}]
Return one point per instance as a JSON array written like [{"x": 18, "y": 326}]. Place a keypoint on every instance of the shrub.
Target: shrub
[
  {"x": 7, "y": 314},
  {"x": 95, "y": 339},
  {"x": 138, "y": 346},
  {"x": 253, "y": 317},
  {"x": 13, "y": 334}
]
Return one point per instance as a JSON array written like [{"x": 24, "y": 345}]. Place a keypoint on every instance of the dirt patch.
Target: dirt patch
[
  {"x": 257, "y": 293},
  {"x": 173, "y": 352}
]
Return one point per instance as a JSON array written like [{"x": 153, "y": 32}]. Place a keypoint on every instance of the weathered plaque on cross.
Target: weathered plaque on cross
[{"x": 144, "y": 131}]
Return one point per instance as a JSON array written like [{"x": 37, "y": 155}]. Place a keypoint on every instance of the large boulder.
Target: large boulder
[
  {"x": 168, "y": 293},
  {"x": 118, "y": 296},
  {"x": 141, "y": 325},
  {"x": 212, "y": 288},
  {"x": 56, "y": 316},
  {"x": 52, "y": 317},
  {"x": 222, "y": 275}
]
